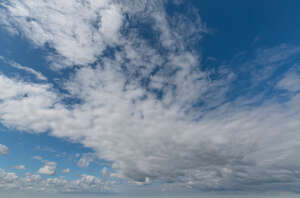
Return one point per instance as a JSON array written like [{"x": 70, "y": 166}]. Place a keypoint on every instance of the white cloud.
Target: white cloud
[
  {"x": 20, "y": 167},
  {"x": 35, "y": 183},
  {"x": 78, "y": 31},
  {"x": 86, "y": 159},
  {"x": 7, "y": 180},
  {"x": 67, "y": 170},
  {"x": 267, "y": 62},
  {"x": 3, "y": 149},
  {"x": 290, "y": 82},
  {"x": 48, "y": 169},
  {"x": 37, "y": 158},
  {"x": 46, "y": 149},
  {"x": 146, "y": 140}
]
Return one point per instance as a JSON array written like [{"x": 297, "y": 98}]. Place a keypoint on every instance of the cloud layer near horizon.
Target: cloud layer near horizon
[
  {"x": 35, "y": 183},
  {"x": 149, "y": 108}
]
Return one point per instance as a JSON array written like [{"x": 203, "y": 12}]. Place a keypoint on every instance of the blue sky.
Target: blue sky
[{"x": 149, "y": 98}]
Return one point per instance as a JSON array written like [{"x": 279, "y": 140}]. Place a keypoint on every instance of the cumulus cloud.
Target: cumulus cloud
[
  {"x": 150, "y": 109},
  {"x": 7, "y": 180},
  {"x": 3, "y": 149},
  {"x": 49, "y": 168},
  {"x": 35, "y": 183}
]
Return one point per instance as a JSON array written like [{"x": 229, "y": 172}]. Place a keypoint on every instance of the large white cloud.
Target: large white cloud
[
  {"x": 229, "y": 147},
  {"x": 170, "y": 136}
]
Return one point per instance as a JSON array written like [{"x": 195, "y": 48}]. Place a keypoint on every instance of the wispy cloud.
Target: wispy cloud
[
  {"x": 291, "y": 80},
  {"x": 3, "y": 149},
  {"x": 86, "y": 159},
  {"x": 67, "y": 170},
  {"x": 37, "y": 74},
  {"x": 20, "y": 167}
]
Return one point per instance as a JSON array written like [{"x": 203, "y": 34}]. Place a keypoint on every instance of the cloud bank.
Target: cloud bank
[{"x": 33, "y": 182}]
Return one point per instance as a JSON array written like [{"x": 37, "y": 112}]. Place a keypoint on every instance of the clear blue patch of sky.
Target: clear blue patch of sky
[{"x": 239, "y": 26}]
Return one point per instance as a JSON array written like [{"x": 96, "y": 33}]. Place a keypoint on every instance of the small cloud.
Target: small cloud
[
  {"x": 37, "y": 158},
  {"x": 86, "y": 159},
  {"x": 77, "y": 155},
  {"x": 104, "y": 172},
  {"x": 66, "y": 170},
  {"x": 3, "y": 149},
  {"x": 141, "y": 183},
  {"x": 20, "y": 167},
  {"x": 47, "y": 149},
  {"x": 61, "y": 155},
  {"x": 48, "y": 169}
]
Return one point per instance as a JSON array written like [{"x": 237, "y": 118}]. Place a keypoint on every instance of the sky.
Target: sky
[{"x": 149, "y": 98}]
